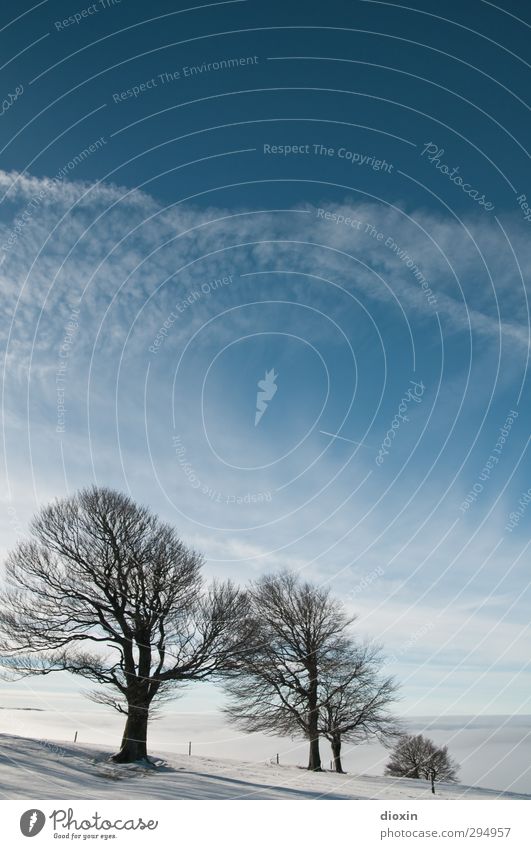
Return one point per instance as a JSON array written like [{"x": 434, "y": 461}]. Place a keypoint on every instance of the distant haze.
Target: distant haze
[{"x": 494, "y": 751}]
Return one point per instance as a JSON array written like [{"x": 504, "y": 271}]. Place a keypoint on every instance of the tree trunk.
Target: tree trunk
[
  {"x": 134, "y": 740},
  {"x": 314, "y": 762},
  {"x": 336, "y": 751}
]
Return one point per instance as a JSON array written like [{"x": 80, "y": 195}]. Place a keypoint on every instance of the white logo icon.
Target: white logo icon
[{"x": 266, "y": 390}]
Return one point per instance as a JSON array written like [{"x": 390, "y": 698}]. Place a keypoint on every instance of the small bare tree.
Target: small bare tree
[
  {"x": 408, "y": 757},
  {"x": 440, "y": 766},
  {"x": 356, "y": 700},
  {"x": 415, "y": 756},
  {"x": 107, "y": 591},
  {"x": 294, "y": 631}
]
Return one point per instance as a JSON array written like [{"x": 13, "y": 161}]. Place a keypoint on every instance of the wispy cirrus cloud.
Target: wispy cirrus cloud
[
  {"x": 128, "y": 258},
  {"x": 159, "y": 350}
]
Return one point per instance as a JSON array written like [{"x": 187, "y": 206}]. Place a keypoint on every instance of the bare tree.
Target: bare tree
[
  {"x": 440, "y": 766},
  {"x": 408, "y": 757},
  {"x": 294, "y": 632},
  {"x": 356, "y": 699},
  {"x": 107, "y": 591},
  {"x": 415, "y": 756}
]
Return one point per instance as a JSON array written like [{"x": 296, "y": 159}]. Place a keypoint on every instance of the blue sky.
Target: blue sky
[{"x": 182, "y": 233}]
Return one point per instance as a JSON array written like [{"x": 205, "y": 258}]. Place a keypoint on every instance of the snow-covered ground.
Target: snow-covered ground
[
  {"x": 33, "y": 769},
  {"x": 493, "y": 751}
]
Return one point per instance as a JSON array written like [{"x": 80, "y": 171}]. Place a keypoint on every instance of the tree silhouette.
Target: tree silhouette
[
  {"x": 294, "y": 633},
  {"x": 415, "y": 756},
  {"x": 107, "y": 591},
  {"x": 355, "y": 699}
]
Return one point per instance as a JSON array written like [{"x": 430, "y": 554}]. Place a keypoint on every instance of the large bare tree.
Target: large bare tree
[
  {"x": 356, "y": 699},
  {"x": 295, "y": 632},
  {"x": 107, "y": 591}
]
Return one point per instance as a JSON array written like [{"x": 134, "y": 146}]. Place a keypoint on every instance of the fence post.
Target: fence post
[
  {"x": 189, "y": 748},
  {"x": 277, "y": 758},
  {"x": 75, "y": 737}
]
